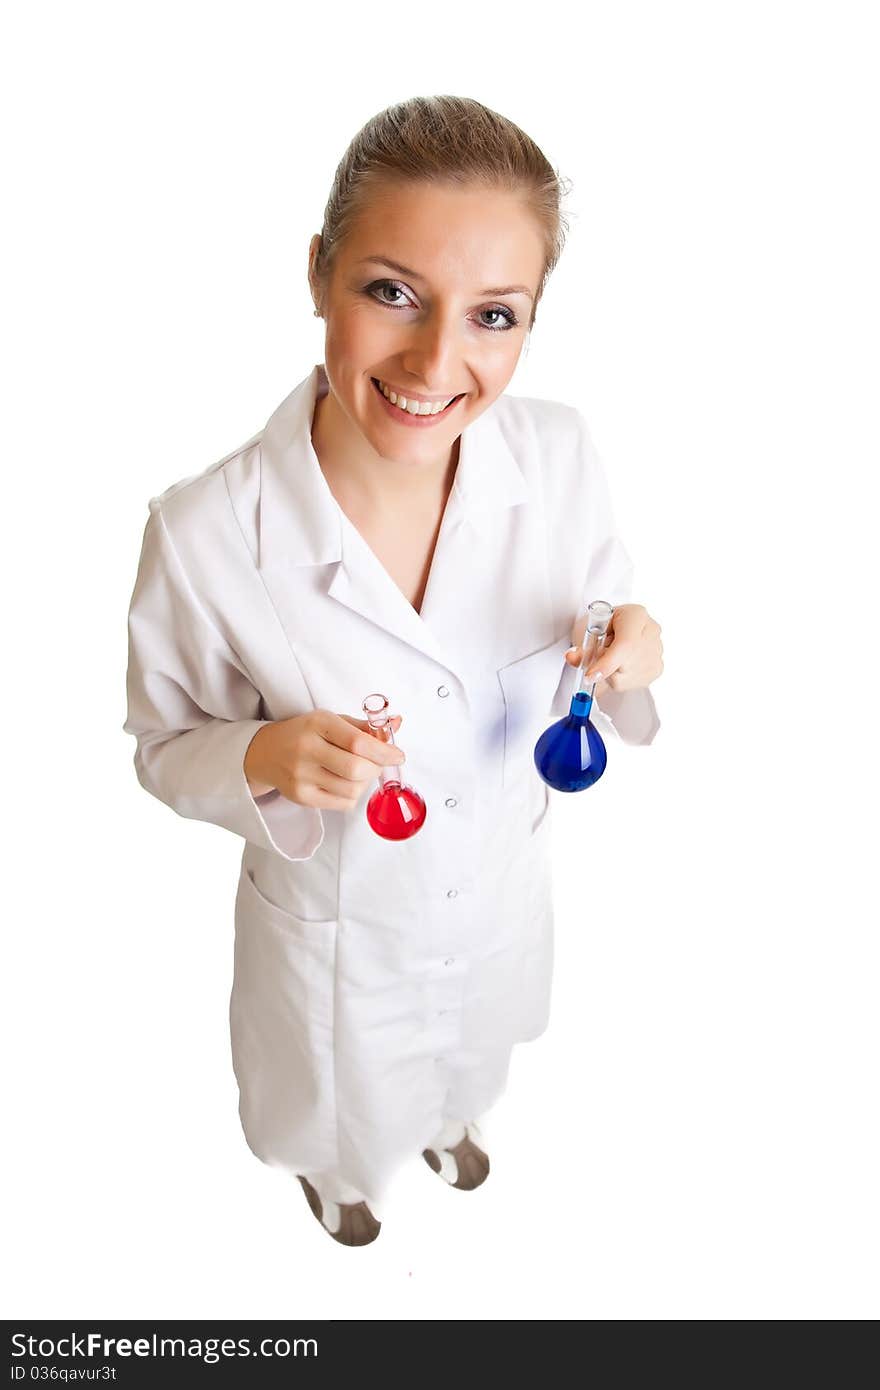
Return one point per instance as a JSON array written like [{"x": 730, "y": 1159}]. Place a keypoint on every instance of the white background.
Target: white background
[{"x": 696, "y": 1134}]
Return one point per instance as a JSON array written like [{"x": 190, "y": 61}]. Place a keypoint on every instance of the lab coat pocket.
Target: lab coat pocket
[
  {"x": 282, "y": 1020},
  {"x": 529, "y": 686}
]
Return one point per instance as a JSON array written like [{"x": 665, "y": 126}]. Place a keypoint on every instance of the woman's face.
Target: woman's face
[{"x": 453, "y": 323}]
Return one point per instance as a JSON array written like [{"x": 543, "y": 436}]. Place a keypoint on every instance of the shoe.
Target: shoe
[
  {"x": 463, "y": 1165},
  {"x": 350, "y": 1224}
]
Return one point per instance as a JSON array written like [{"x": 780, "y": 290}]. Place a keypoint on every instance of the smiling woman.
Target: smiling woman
[
  {"x": 405, "y": 522},
  {"x": 441, "y": 230},
  {"x": 442, "y": 344}
]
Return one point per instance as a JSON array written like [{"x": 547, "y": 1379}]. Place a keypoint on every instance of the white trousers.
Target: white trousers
[{"x": 467, "y": 1099}]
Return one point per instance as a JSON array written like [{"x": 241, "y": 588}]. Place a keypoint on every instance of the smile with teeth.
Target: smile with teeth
[{"x": 413, "y": 407}]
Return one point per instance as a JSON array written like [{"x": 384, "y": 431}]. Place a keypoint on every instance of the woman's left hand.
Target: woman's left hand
[{"x": 633, "y": 653}]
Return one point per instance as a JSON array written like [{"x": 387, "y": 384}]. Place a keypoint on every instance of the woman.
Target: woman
[{"x": 360, "y": 543}]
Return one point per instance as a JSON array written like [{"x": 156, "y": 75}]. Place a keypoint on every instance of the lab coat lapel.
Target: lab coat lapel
[
  {"x": 460, "y": 605},
  {"x": 301, "y": 526}
]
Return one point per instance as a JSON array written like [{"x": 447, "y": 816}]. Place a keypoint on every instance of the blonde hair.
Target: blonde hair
[{"x": 443, "y": 140}]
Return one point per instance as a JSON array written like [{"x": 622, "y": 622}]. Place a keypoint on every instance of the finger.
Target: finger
[
  {"x": 337, "y": 766},
  {"x": 395, "y": 721},
  {"x": 355, "y": 736},
  {"x": 338, "y": 786},
  {"x": 364, "y": 747},
  {"x": 575, "y": 654},
  {"x": 324, "y": 800},
  {"x": 603, "y": 660},
  {"x": 610, "y": 660}
]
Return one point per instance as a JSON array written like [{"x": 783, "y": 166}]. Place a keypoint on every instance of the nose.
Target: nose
[{"x": 432, "y": 356}]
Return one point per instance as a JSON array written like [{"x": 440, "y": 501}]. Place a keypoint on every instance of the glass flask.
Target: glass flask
[
  {"x": 570, "y": 754},
  {"x": 395, "y": 811}
]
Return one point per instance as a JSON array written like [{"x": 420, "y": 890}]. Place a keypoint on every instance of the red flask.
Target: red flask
[{"x": 395, "y": 811}]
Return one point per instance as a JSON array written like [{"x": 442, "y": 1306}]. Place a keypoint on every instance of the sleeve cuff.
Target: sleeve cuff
[
  {"x": 632, "y": 714},
  {"x": 274, "y": 821},
  {"x": 212, "y": 770}
]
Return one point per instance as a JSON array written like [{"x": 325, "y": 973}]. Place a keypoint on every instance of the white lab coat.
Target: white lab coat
[{"x": 378, "y": 987}]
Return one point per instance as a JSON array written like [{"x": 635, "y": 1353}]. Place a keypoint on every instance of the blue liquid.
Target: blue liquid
[{"x": 570, "y": 755}]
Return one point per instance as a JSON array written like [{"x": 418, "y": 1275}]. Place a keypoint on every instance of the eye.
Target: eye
[
  {"x": 508, "y": 315},
  {"x": 385, "y": 285},
  {"x": 379, "y": 287}
]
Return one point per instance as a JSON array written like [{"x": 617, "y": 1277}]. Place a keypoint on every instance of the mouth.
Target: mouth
[{"x": 405, "y": 417}]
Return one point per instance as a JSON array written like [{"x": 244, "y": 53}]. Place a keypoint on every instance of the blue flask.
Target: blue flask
[{"x": 571, "y": 755}]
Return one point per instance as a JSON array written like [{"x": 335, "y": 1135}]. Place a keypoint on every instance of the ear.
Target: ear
[{"x": 314, "y": 248}]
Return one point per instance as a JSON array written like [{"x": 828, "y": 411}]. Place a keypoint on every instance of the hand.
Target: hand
[
  {"x": 633, "y": 653},
  {"x": 319, "y": 759}
]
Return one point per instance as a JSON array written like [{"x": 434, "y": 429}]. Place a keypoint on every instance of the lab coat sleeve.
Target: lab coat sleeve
[
  {"x": 631, "y": 714},
  {"x": 194, "y": 710}
]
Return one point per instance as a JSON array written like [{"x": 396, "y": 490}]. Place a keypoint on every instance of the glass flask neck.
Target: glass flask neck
[
  {"x": 375, "y": 708},
  {"x": 595, "y": 637},
  {"x": 581, "y": 704},
  {"x": 387, "y": 775}
]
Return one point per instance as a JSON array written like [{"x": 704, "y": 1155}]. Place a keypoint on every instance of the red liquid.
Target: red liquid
[{"x": 396, "y": 812}]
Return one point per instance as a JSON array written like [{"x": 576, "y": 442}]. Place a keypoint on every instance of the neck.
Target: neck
[{"x": 368, "y": 481}]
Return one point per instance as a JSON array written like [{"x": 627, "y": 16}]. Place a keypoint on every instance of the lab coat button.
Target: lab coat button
[
  {"x": 451, "y": 801},
  {"x": 452, "y": 892},
  {"x": 442, "y": 691},
  {"x": 450, "y": 960}
]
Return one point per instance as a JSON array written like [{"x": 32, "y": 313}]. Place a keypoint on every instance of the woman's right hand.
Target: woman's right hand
[{"x": 319, "y": 759}]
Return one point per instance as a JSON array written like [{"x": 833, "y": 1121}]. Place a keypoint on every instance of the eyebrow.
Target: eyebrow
[{"x": 414, "y": 275}]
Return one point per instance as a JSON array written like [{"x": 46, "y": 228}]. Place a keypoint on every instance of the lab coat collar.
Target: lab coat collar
[{"x": 301, "y": 523}]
